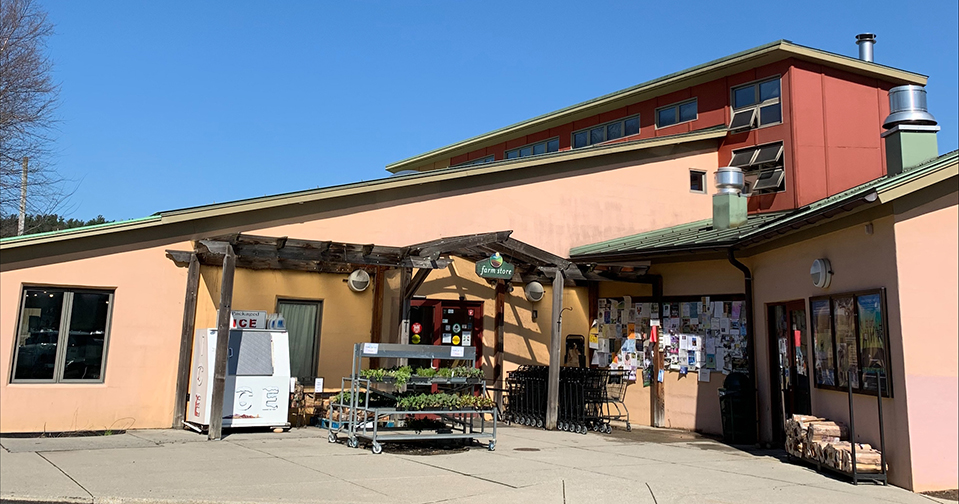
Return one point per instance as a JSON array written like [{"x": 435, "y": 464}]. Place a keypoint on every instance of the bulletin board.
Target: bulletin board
[{"x": 698, "y": 335}]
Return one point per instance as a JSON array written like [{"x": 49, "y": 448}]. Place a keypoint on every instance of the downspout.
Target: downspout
[{"x": 751, "y": 347}]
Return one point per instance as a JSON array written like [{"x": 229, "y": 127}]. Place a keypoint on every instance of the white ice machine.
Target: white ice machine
[{"x": 257, "y": 378}]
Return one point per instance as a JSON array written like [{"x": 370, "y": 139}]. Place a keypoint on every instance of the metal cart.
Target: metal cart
[{"x": 372, "y": 414}]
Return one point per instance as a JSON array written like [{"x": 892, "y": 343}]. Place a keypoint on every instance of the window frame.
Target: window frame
[
  {"x": 317, "y": 334},
  {"x": 531, "y": 147},
  {"x": 755, "y": 122},
  {"x": 605, "y": 126},
  {"x": 676, "y": 106},
  {"x": 753, "y": 171},
  {"x": 887, "y": 392},
  {"x": 63, "y": 335},
  {"x": 702, "y": 176}
]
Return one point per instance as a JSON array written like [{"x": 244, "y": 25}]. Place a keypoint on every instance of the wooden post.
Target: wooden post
[
  {"x": 376, "y": 327},
  {"x": 404, "y": 329},
  {"x": 222, "y": 344},
  {"x": 657, "y": 392},
  {"x": 555, "y": 342},
  {"x": 499, "y": 333},
  {"x": 186, "y": 343},
  {"x": 657, "y": 406}
]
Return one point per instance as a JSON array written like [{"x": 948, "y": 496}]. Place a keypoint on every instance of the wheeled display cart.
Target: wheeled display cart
[{"x": 368, "y": 409}]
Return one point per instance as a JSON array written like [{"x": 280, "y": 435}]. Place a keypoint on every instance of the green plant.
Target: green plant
[{"x": 425, "y": 372}]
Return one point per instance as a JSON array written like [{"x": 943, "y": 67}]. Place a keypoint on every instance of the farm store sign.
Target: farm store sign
[{"x": 494, "y": 267}]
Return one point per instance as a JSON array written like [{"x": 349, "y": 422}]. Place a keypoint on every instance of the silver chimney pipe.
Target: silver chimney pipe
[{"x": 866, "y": 41}]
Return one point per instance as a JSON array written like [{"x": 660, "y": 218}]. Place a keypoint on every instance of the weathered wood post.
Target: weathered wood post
[
  {"x": 222, "y": 343},
  {"x": 186, "y": 342},
  {"x": 555, "y": 342}
]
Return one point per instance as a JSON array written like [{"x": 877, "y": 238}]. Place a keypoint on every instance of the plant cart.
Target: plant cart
[{"x": 368, "y": 403}]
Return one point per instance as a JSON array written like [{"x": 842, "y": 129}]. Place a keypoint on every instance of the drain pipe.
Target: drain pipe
[{"x": 751, "y": 348}]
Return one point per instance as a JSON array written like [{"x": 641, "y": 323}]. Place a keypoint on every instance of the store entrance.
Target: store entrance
[
  {"x": 788, "y": 365},
  {"x": 446, "y": 322}
]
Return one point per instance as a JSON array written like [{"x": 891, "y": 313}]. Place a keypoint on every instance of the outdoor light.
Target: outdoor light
[
  {"x": 358, "y": 281},
  {"x": 534, "y": 291},
  {"x": 821, "y": 273}
]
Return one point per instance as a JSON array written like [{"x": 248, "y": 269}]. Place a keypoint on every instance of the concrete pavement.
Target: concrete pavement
[{"x": 653, "y": 466}]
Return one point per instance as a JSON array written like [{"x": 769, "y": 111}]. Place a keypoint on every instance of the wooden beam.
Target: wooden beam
[
  {"x": 217, "y": 247},
  {"x": 180, "y": 257},
  {"x": 555, "y": 342},
  {"x": 454, "y": 243},
  {"x": 181, "y": 395},
  {"x": 376, "y": 325},
  {"x": 498, "y": 335},
  {"x": 416, "y": 283},
  {"x": 222, "y": 344}
]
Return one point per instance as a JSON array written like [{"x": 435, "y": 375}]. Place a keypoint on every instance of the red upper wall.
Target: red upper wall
[{"x": 830, "y": 129}]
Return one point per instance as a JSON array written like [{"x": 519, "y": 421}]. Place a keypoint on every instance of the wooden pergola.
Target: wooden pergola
[{"x": 282, "y": 253}]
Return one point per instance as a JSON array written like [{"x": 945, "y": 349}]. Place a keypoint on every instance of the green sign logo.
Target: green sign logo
[{"x": 494, "y": 267}]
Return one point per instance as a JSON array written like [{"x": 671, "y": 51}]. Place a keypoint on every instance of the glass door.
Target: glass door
[{"x": 789, "y": 368}]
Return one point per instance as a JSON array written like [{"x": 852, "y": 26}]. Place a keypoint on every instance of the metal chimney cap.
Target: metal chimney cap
[
  {"x": 907, "y": 105},
  {"x": 866, "y": 41}
]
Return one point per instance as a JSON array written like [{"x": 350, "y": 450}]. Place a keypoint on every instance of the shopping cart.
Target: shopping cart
[{"x": 616, "y": 386}]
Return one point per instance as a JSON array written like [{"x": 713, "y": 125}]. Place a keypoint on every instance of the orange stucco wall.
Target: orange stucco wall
[
  {"x": 141, "y": 361},
  {"x": 553, "y": 213},
  {"x": 927, "y": 257},
  {"x": 860, "y": 261}
]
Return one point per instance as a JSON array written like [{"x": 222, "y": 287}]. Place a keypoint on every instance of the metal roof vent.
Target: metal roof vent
[
  {"x": 907, "y": 105},
  {"x": 866, "y": 41}
]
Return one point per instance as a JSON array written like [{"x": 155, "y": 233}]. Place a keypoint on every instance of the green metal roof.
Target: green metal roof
[
  {"x": 684, "y": 236},
  {"x": 700, "y": 235}
]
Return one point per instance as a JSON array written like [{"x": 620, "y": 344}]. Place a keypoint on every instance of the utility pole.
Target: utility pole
[{"x": 22, "y": 219}]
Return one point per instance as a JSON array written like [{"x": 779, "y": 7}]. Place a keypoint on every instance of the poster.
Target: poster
[
  {"x": 871, "y": 338},
  {"x": 844, "y": 319}
]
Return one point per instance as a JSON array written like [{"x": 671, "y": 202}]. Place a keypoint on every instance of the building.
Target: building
[{"x": 94, "y": 319}]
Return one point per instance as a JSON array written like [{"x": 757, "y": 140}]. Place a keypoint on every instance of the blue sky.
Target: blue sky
[{"x": 167, "y": 105}]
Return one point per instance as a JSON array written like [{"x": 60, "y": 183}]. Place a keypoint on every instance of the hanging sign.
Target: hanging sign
[{"x": 494, "y": 267}]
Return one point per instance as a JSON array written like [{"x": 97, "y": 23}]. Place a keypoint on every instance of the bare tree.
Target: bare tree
[{"x": 28, "y": 97}]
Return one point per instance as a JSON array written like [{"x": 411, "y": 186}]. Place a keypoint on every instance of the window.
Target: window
[
  {"x": 551, "y": 145},
  {"x": 482, "y": 160},
  {"x": 697, "y": 181},
  {"x": 607, "y": 131},
  {"x": 850, "y": 342},
  {"x": 756, "y": 104},
  {"x": 62, "y": 335},
  {"x": 676, "y": 113},
  {"x": 763, "y": 168},
  {"x": 303, "y": 326}
]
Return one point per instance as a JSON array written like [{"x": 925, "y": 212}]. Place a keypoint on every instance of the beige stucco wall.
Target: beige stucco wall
[
  {"x": 928, "y": 268},
  {"x": 860, "y": 261},
  {"x": 551, "y": 213},
  {"x": 141, "y": 361},
  {"x": 346, "y": 316}
]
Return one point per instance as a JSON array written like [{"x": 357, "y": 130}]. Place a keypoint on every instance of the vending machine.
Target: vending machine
[{"x": 256, "y": 392}]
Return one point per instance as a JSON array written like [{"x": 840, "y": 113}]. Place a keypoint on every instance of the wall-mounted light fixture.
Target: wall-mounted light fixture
[
  {"x": 821, "y": 273},
  {"x": 358, "y": 281},
  {"x": 534, "y": 292}
]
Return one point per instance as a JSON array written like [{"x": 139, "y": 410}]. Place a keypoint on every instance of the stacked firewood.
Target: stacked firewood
[{"x": 824, "y": 441}]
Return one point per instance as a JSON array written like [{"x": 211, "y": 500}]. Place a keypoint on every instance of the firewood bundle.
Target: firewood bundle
[
  {"x": 824, "y": 441},
  {"x": 796, "y": 432},
  {"x": 839, "y": 456}
]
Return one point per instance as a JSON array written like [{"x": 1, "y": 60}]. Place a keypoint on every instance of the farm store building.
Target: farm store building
[{"x": 805, "y": 126}]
